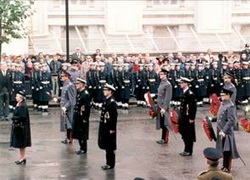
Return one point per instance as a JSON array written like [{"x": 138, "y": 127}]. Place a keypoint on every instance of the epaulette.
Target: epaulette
[{"x": 203, "y": 172}]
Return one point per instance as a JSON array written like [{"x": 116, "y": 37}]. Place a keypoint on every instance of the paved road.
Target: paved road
[{"x": 137, "y": 156}]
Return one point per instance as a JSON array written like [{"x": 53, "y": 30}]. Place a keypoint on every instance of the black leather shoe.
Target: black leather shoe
[
  {"x": 79, "y": 152},
  {"x": 224, "y": 169},
  {"x": 21, "y": 162},
  {"x": 161, "y": 141},
  {"x": 64, "y": 141},
  {"x": 185, "y": 154},
  {"x": 106, "y": 167}
]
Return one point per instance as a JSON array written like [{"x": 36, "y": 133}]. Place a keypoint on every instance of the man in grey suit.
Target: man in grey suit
[
  {"x": 77, "y": 55},
  {"x": 5, "y": 84},
  {"x": 67, "y": 103},
  {"x": 163, "y": 100}
]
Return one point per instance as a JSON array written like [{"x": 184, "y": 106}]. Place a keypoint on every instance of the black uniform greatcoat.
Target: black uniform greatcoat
[
  {"x": 114, "y": 76},
  {"x": 238, "y": 83},
  {"x": 45, "y": 86},
  {"x": 20, "y": 132},
  {"x": 17, "y": 83},
  {"x": 81, "y": 116},
  {"x": 35, "y": 85},
  {"x": 208, "y": 81},
  {"x": 101, "y": 78},
  {"x": 140, "y": 85},
  {"x": 90, "y": 77},
  {"x": 177, "y": 91},
  {"x": 201, "y": 90},
  {"x": 126, "y": 85},
  {"x": 188, "y": 109},
  {"x": 108, "y": 122},
  {"x": 215, "y": 81},
  {"x": 153, "y": 81},
  {"x": 246, "y": 82}
]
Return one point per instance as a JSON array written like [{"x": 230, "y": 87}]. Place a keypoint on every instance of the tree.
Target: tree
[{"x": 13, "y": 15}]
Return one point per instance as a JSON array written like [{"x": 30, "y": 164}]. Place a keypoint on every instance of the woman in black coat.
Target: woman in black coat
[{"x": 20, "y": 132}]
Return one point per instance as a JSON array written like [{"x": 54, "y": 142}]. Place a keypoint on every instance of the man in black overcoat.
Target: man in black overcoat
[
  {"x": 81, "y": 116},
  {"x": 188, "y": 109},
  {"x": 107, "y": 127}
]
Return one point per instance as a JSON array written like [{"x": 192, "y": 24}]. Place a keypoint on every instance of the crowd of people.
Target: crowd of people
[
  {"x": 131, "y": 75},
  {"x": 106, "y": 83}
]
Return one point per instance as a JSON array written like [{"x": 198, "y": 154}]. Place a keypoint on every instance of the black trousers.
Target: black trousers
[
  {"x": 227, "y": 158},
  {"x": 83, "y": 144},
  {"x": 165, "y": 132},
  {"x": 69, "y": 134},
  {"x": 110, "y": 157},
  {"x": 188, "y": 145}
]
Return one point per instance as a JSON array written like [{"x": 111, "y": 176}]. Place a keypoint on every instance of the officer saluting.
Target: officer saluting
[
  {"x": 213, "y": 155},
  {"x": 188, "y": 109},
  {"x": 81, "y": 116},
  {"x": 226, "y": 121},
  {"x": 107, "y": 127}
]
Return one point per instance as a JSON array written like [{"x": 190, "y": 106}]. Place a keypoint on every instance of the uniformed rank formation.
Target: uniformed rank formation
[{"x": 132, "y": 76}]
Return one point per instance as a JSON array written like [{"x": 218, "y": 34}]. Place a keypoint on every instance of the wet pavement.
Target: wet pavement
[{"x": 137, "y": 156}]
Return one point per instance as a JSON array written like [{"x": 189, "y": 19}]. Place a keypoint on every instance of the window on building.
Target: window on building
[
  {"x": 74, "y": 2},
  {"x": 241, "y": 2},
  {"x": 164, "y": 2}
]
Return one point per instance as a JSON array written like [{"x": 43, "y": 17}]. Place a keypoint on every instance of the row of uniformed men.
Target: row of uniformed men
[{"x": 206, "y": 79}]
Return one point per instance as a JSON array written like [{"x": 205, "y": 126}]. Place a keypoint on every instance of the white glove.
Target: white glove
[
  {"x": 90, "y": 86},
  {"x": 41, "y": 87},
  {"x": 64, "y": 111},
  {"x": 222, "y": 134},
  {"x": 55, "y": 99},
  {"x": 162, "y": 112},
  {"x": 32, "y": 87}
]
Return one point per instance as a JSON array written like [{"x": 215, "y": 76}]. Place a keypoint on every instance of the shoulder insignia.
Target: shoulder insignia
[{"x": 203, "y": 172}]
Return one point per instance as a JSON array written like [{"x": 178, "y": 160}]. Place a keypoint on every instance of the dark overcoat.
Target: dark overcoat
[
  {"x": 35, "y": 84},
  {"x": 81, "y": 115},
  {"x": 152, "y": 81},
  {"x": 188, "y": 109},
  {"x": 201, "y": 89},
  {"x": 108, "y": 122},
  {"x": 246, "y": 81},
  {"x": 18, "y": 80},
  {"x": 126, "y": 85},
  {"x": 20, "y": 131},
  {"x": 45, "y": 86}
]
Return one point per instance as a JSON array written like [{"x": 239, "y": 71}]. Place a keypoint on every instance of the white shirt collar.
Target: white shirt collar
[{"x": 185, "y": 89}]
